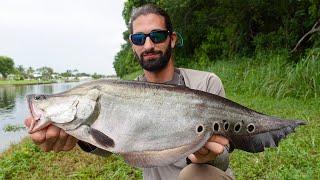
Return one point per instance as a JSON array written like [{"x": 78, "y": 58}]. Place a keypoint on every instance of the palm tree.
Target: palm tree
[{"x": 30, "y": 72}]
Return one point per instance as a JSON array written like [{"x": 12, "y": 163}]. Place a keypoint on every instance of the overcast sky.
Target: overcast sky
[{"x": 62, "y": 34}]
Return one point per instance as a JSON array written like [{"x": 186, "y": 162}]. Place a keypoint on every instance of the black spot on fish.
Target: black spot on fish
[
  {"x": 250, "y": 128},
  {"x": 226, "y": 126},
  {"x": 237, "y": 127},
  {"x": 101, "y": 138},
  {"x": 200, "y": 129},
  {"x": 216, "y": 126}
]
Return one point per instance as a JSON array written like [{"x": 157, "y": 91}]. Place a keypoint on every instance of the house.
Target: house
[
  {"x": 37, "y": 75},
  {"x": 85, "y": 78},
  {"x": 11, "y": 77}
]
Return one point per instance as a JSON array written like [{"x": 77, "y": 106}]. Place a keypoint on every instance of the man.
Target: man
[{"x": 152, "y": 38}]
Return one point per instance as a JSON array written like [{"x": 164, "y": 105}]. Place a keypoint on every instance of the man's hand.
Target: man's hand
[
  {"x": 210, "y": 151},
  {"x": 52, "y": 138}
]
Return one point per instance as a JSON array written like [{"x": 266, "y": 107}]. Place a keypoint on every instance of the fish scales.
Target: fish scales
[{"x": 154, "y": 124}]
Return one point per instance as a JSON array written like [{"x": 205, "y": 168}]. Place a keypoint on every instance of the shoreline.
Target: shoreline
[{"x": 31, "y": 82}]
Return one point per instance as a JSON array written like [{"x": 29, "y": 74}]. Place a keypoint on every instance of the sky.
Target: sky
[{"x": 62, "y": 34}]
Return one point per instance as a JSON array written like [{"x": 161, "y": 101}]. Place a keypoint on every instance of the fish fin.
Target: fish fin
[
  {"x": 155, "y": 158},
  {"x": 149, "y": 159},
  {"x": 101, "y": 138},
  {"x": 259, "y": 142}
]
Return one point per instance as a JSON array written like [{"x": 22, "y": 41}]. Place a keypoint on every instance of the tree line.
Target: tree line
[
  {"x": 7, "y": 67},
  {"x": 220, "y": 29}
]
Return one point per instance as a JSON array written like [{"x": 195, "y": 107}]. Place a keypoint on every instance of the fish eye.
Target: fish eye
[
  {"x": 39, "y": 97},
  {"x": 250, "y": 128},
  {"x": 200, "y": 129}
]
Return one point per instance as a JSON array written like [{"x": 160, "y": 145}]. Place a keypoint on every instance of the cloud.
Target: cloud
[{"x": 69, "y": 34}]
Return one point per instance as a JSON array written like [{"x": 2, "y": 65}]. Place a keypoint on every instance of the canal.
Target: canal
[{"x": 13, "y": 109}]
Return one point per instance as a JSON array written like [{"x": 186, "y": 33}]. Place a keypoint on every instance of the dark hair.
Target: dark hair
[{"x": 150, "y": 9}]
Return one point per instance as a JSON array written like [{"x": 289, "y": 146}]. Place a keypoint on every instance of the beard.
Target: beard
[{"x": 155, "y": 64}]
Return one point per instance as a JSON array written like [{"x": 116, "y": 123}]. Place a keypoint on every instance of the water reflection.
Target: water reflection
[
  {"x": 7, "y": 98},
  {"x": 13, "y": 107}
]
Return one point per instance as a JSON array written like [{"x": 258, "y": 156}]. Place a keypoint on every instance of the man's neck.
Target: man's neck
[{"x": 161, "y": 76}]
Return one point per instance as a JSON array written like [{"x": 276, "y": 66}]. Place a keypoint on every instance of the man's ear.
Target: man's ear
[
  {"x": 173, "y": 37},
  {"x": 129, "y": 39}
]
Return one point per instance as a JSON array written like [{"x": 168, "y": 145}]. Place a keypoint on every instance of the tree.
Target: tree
[
  {"x": 68, "y": 73},
  {"x": 45, "y": 72},
  {"x": 21, "y": 72},
  {"x": 97, "y": 76},
  {"x": 6, "y": 66},
  {"x": 220, "y": 29},
  {"x": 75, "y": 72},
  {"x": 30, "y": 72}
]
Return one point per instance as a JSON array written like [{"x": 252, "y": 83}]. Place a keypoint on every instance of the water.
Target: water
[{"x": 13, "y": 108}]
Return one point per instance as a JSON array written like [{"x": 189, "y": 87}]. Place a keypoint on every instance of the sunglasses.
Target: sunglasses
[{"x": 158, "y": 36}]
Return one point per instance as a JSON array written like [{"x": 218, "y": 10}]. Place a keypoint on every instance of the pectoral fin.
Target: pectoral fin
[{"x": 101, "y": 138}]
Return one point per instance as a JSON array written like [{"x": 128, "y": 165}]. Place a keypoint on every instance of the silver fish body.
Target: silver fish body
[{"x": 154, "y": 124}]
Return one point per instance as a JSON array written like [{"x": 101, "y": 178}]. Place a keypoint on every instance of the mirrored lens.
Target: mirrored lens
[
  {"x": 138, "y": 39},
  {"x": 158, "y": 36}
]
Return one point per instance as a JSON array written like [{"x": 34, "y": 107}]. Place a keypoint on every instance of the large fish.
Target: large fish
[{"x": 154, "y": 124}]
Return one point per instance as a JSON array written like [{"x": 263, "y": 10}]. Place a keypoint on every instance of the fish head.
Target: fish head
[{"x": 63, "y": 108}]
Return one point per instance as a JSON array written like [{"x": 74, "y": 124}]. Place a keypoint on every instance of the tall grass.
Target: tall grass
[{"x": 273, "y": 75}]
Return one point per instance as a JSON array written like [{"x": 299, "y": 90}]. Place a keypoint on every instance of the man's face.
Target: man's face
[{"x": 152, "y": 56}]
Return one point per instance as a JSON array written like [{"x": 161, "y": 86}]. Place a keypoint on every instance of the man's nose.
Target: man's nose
[{"x": 148, "y": 44}]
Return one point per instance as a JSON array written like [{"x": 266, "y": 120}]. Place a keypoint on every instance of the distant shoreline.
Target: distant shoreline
[{"x": 28, "y": 82}]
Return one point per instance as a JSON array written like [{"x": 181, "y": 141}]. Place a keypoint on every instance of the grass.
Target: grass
[
  {"x": 27, "y": 161},
  {"x": 263, "y": 85},
  {"x": 24, "y": 82},
  {"x": 13, "y": 128}
]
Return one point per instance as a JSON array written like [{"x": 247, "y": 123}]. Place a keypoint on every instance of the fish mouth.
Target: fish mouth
[
  {"x": 149, "y": 159},
  {"x": 35, "y": 113}
]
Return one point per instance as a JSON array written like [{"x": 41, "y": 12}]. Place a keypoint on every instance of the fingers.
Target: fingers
[
  {"x": 219, "y": 139},
  {"x": 215, "y": 148},
  {"x": 210, "y": 151},
  {"x": 39, "y": 137},
  {"x": 207, "y": 153},
  {"x": 199, "y": 158},
  {"x": 203, "y": 151},
  {"x": 71, "y": 143},
  {"x": 27, "y": 121},
  {"x": 52, "y": 138},
  {"x": 60, "y": 141}
]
